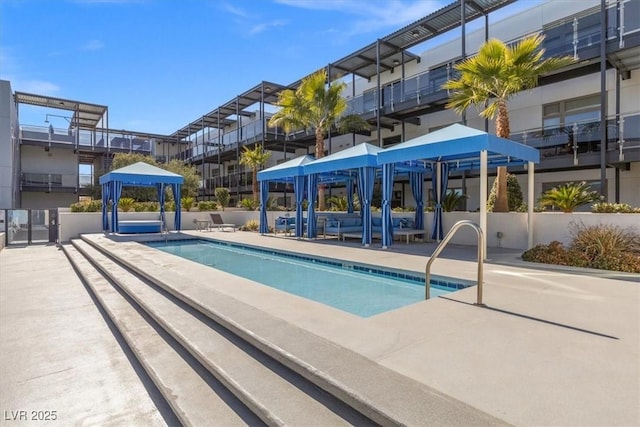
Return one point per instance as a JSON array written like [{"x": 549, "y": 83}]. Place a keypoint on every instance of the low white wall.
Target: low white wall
[
  {"x": 547, "y": 226},
  {"x": 2, "y": 239}
]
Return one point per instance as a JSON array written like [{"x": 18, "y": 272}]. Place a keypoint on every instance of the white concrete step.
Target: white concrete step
[
  {"x": 273, "y": 392},
  {"x": 382, "y": 395},
  {"x": 194, "y": 399}
]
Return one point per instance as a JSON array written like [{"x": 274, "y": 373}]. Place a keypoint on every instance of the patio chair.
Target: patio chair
[{"x": 217, "y": 222}]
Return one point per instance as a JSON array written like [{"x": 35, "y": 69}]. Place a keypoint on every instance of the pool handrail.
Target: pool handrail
[{"x": 443, "y": 243}]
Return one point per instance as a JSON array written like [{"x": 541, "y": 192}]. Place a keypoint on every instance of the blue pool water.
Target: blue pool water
[{"x": 361, "y": 290}]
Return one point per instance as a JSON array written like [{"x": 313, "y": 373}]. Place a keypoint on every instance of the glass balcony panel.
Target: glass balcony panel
[
  {"x": 356, "y": 105},
  {"x": 85, "y": 138},
  {"x": 631, "y": 14},
  {"x": 559, "y": 40},
  {"x": 369, "y": 101},
  {"x": 588, "y": 31},
  {"x": 410, "y": 88}
]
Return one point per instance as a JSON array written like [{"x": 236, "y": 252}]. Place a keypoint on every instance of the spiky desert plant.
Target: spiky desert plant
[{"x": 569, "y": 196}]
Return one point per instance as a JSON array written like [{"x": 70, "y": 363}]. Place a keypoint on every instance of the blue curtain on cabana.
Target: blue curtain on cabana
[
  {"x": 416, "y": 179},
  {"x": 116, "y": 192},
  {"x": 438, "y": 232},
  {"x": 298, "y": 188},
  {"x": 175, "y": 188},
  {"x": 105, "y": 206},
  {"x": 366, "y": 177},
  {"x": 387, "y": 188},
  {"x": 312, "y": 192},
  {"x": 160, "y": 190},
  {"x": 359, "y": 187},
  {"x": 264, "y": 198},
  {"x": 350, "y": 196}
]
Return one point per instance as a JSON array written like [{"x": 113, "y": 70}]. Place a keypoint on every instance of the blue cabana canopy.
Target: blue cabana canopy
[
  {"x": 458, "y": 147},
  {"x": 359, "y": 161},
  {"x": 291, "y": 171},
  {"x": 141, "y": 175},
  {"x": 359, "y": 156},
  {"x": 285, "y": 172}
]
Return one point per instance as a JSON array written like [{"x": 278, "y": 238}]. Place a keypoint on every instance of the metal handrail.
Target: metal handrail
[{"x": 441, "y": 246}]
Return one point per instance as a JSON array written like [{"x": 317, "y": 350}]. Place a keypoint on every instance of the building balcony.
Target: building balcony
[
  {"x": 85, "y": 140},
  {"x": 49, "y": 182}
]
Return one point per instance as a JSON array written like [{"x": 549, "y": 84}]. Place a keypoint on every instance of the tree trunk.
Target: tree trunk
[
  {"x": 320, "y": 154},
  {"x": 254, "y": 184},
  {"x": 502, "y": 201},
  {"x": 503, "y": 131}
]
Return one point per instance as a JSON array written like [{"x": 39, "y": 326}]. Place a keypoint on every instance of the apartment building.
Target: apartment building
[{"x": 585, "y": 119}]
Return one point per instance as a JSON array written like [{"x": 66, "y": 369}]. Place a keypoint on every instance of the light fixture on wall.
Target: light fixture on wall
[{"x": 396, "y": 62}]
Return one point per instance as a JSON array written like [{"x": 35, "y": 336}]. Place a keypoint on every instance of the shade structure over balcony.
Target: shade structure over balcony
[
  {"x": 460, "y": 148},
  {"x": 291, "y": 172},
  {"x": 139, "y": 175},
  {"x": 358, "y": 162}
]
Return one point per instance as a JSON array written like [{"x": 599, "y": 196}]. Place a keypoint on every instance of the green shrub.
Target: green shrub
[
  {"x": 514, "y": 194},
  {"x": 187, "y": 203},
  {"x": 553, "y": 253},
  {"x": 139, "y": 206},
  {"x": 613, "y": 208},
  {"x": 251, "y": 225},
  {"x": 126, "y": 204},
  {"x": 222, "y": 195},
  {"x": 170, "y": 206},
  {"x": 78, "y": 207},
  {"x": 338, "y": 203},
  {"x": 569, "y": 196},
  {"x": 451, "y": 200},
  {"x": 606, "y": 247},
  {"x": 248, "y": 204},
  {"x": 146, "y": 206},
  {"x": 207, "y": 206},
  {"x": 93, "y": 206}
]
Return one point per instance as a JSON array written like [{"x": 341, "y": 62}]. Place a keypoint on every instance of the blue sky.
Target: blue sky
[{"x": 159, "y": 64}]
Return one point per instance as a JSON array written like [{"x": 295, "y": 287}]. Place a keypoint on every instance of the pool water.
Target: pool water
[{"x": 357, "y": 289}]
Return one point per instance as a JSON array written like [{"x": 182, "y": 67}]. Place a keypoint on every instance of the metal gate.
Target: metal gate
[{"x": 29, "y": 226}]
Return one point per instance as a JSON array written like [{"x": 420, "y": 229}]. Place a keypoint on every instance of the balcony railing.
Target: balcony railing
[
  {"x": 48, "y": 181},
  {"x": 623, "y": 133},
  {"x": 88, "y": 139}
]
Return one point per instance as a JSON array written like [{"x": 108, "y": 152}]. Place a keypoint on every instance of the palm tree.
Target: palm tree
[
  {"x": 318, "y": 106},
  {"x": 255, "y": 159},
  {"x": 569, "y": 196},
  {"x": 491, "y": 78}
]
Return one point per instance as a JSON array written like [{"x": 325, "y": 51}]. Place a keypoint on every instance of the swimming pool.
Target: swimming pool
[{"x": 355, "y": 288}]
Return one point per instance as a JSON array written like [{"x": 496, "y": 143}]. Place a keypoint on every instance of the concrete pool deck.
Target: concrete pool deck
[{"x": 551, "y": 348}]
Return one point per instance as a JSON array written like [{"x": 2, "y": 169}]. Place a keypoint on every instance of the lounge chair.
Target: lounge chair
[{"x": 217, "y": 222}]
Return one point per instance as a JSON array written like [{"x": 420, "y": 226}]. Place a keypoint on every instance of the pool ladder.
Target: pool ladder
[{"x": 441, "y": 246}]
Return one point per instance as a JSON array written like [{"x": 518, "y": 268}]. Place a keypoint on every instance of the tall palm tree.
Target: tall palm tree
[
  {"x": 314, "y": 105},
  {"x": 255, "y": 159},
  {"x": 491, "y": 78}
]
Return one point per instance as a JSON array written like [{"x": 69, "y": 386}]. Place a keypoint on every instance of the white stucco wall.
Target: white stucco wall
[{"x": 548, "y": 226}]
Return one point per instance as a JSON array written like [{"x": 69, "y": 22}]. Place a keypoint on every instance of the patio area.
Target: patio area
[{"x": 552, "y": 347}]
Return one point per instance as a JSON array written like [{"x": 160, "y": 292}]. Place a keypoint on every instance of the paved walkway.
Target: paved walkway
[
  {"x": 59, "y": 359},
  {"x": 551, "y": 348}
]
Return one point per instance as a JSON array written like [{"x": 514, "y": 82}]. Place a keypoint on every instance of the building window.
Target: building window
[{"x": 570, "y": 111}]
